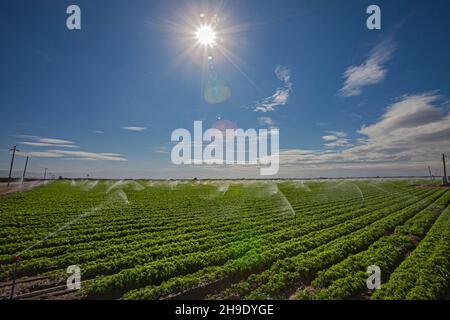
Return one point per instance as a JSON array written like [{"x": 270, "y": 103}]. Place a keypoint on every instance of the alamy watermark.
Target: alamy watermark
[
  {"x": 74, "y": 280},
  {"x": 374, "y": 280},
  {"x": 73, "y": 21},
  {"x": 374, "y": 20},
  {"x": 229, "y": 147}
]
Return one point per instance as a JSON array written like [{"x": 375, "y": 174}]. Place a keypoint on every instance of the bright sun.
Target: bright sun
[{"x": 206, "y": 35}]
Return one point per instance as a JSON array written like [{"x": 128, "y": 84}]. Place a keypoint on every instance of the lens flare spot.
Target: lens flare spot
[
  {"x": 216, "y": 90},
  {"x": 223, "y": 125}
]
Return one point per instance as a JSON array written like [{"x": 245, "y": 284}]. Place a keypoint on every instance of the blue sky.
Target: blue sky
[{"x": 105, "y": 99}]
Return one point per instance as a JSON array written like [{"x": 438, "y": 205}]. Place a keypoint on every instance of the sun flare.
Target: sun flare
[{"x": 206, "y": 35}]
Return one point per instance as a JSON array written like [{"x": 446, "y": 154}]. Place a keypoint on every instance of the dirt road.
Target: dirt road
[{"x": 18, "y": 186}]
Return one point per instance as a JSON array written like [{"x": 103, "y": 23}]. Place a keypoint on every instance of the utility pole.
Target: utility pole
[
  {"x": 445, "y": 169},
  {"x": 14, "y": 149},
  {"x": 25, "y": 168},
  {"x": 431, "y": 175},
  {"x": 45, "y": 173}
]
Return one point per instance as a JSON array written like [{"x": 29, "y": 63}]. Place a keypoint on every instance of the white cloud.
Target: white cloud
[
  {"x": 60, "y": 143},
  {"x": 162, "y": 149},
  {"x": 338, "y": 143},
  {"x": 89, "y": 155},
  {"x": 78, "y": 159},
  {"x": 371, "y": 72},
  {"x": 329, "y": 138},
  {"x": 43, "y": 144},
  {"x": 339, "y": 134},
  {"x": 281, "y": 95},
  {"x": 412, "y": 133},
  {"x": 284, "y": 75},
  {"x": 39, "y": 154},
  {"x": 336, "y": 139},
  {"x": 267, "y": 121},
  {"x": 408, "y": 114},
  {"x": 99, "y": 131},
  {"x": 74, "y": 155},
  {"x": 55, "y": 141},
  {"x": 136, "y": 129},
  {"x": 37, "y": 141}
]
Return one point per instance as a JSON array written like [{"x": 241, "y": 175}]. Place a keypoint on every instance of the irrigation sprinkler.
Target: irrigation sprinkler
[
  {"x": 17, "y": 260},
  {"x": 14, "y": 149}
]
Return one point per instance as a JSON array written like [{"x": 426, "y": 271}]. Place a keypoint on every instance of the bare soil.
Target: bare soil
[
  {"x": 38, "y": 288},
  {"x": 18, "y": 186}
]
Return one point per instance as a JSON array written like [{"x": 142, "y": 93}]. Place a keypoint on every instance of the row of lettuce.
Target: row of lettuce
[
  {"x": 236, "y": 242},
  {"x": 347, "y": 279},
  {"x": 104, "y": 237},
  {"x": 188, "y": 272},
  {"x": 110, "y": 246}
]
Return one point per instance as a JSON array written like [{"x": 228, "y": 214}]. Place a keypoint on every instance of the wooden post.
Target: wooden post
[
  {"x": 25, "y": 169},
  {"x": 445, "y": 169},
  {"x": 14, "y": 149}
]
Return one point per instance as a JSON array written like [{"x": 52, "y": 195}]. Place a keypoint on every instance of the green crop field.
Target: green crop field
[{"x": 227, "y": 239}]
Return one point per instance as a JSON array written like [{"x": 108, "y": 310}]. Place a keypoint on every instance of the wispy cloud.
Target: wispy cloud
[
  {"x": 267, "y": 121},
  {"x": 338, "y": 143},
  {"x": 38, "y": 154},
  {"x": 336, "y": 139},
  {"x": 89, "y": 155},
  {"x": 53, "y": 143},
  {"x": 329, "y": 138},
  {"x": 133, "y": 128},
  {"x": 371, "y": 72},
  {"x": 99, "y": 131},
  {"x": 281, "y": 95},
  {"x": 36, "y": 141},
  {"x": 162, "y": 149},
  {"x": 74, "y": 155},
  {"x": 43, "y": 144},
  {"x": 339, "y": 134}
]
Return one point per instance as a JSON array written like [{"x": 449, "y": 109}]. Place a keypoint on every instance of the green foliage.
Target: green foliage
[{"x": 169, "y": 238}]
